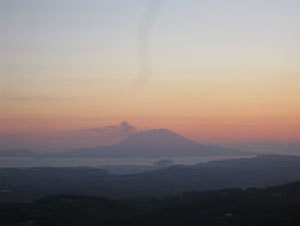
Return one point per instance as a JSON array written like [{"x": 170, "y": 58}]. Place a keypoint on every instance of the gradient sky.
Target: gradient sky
[{"x": 221, "y": 70}]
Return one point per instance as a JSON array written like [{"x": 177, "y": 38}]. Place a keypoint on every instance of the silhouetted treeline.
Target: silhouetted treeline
[{"x": 276, "y": 206}]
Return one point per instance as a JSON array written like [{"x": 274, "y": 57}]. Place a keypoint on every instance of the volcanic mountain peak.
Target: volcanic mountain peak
[{"x": 158, "y": 138}]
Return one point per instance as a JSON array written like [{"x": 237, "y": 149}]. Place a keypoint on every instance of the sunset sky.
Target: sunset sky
[{"x": 221, "y": 70}]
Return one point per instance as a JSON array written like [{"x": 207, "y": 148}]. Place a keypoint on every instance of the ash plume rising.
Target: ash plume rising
[{"x": 144, "y": 35}]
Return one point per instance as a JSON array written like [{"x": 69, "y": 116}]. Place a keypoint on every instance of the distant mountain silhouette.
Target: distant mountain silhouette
[
  {"x": 65, "y": 140},
  {"x": 159, "y": 139},
  {"x": 155, "y": 143},
  {"x": 16, "y": 153},
  {"x": 269, "y": 147}
]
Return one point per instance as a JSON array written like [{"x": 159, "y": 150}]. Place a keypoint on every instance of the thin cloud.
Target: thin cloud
[{"x": 144, "y": 34}]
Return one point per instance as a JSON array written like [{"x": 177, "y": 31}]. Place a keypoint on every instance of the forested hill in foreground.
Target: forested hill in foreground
[{"x": 275, "y": 206}]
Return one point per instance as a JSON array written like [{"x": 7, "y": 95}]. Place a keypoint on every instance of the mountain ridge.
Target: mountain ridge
[{"x": 155, "y": 143}]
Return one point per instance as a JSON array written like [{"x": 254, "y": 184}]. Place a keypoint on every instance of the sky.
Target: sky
[{"x": 217, "y": 71}]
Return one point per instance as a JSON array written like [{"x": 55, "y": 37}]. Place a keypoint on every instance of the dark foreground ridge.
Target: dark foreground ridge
[{"x": 275, "y": 206}]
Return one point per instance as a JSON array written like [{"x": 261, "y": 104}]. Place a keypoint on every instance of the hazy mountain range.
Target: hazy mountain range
[
  {"x": 268, "y": 147},
  {"x": 29, "y": 183},
  {"x": 154, "y": 143},
  {"x": 124, "y": 140},
  {"x": 65, "y": 140},
  {"x": 158, "y": 143}
]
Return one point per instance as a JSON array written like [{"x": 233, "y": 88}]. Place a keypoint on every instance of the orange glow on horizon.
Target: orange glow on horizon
[{"x": 218, "y": 74}]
